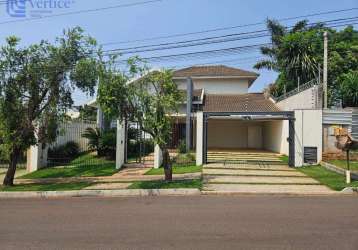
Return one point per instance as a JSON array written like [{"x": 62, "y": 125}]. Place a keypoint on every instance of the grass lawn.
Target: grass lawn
[
  {"x": 284, "y": 158},
  {"x": 328, "y": 178},
  {"x": 45, "y": 187},
  {"x": 343, "y": 164},
  {"x": 85, "y": 166},
  {"x": 176, "y": 170},
  {"x": 165, "y": 185}
]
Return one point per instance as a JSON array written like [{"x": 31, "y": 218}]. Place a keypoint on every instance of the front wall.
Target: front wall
[
  {"x": 232, "y": 134},
  {"x": 308, "y": 133},
  {"x": 218, "y": 86},
  {"x": 275, "y": 134}
]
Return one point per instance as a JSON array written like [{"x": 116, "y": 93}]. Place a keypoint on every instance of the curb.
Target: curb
[
  {"x": 350, "y": 190},
  {"x": 338, "y": 170},
  {"x": 102, "y": 193}
]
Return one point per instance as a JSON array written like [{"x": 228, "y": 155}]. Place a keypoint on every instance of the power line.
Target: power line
[
  {"x": 200, "y": 54},
  {"x": 210, "y": 40},
  {"x": 82, "y": 11},
  {"x": 228, "y": 27}
]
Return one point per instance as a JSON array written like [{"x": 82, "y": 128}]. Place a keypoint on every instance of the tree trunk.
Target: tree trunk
[
  {"x": 168, "y": 171},
  {"x": 10, "y": 174}
]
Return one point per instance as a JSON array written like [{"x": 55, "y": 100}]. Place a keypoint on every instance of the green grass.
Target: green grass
[
  {"x": 331, "y": 179},
  {"x": 176, "y": 170},
  {"x": 343, "y": 164},
  {"x": 165, "y": 185},
  {"x": 84, "y": 166},
  {"x": 284, "y": 159},
  {"x": 45, "y": 187}
]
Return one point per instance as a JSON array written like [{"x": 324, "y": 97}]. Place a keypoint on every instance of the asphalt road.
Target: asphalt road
[{"x": 205, "y": 222}]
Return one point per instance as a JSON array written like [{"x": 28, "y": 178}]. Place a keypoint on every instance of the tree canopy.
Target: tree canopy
[
  {"x": 36, "y": 85},
  {"x": 298, "y": 52}
]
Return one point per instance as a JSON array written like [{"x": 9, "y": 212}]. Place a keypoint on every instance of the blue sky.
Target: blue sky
[{"x": 169, "y": 17}]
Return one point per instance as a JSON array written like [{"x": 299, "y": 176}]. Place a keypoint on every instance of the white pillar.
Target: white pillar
[
  {"x": 36, "y": 158},
  {"x": 308, "y": 133},
  {"x": 120, "y": 146},
  {"x": 100, "y": 118},
  {"x": 199, "y": 138},
  {"x": 158, "y": 157}
]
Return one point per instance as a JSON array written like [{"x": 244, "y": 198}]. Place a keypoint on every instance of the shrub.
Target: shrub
[
  {"x": 184, "y": 158},
  {"x": 182, "y": 147},
  {"x": 68, "y": 150},
  {"x": 107, "y": 143}
]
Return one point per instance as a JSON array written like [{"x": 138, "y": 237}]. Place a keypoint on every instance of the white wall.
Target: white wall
[
  {"x": 73, "y": 132},
  {"x": 308, "y": 133},
  {"x": 217, "y": 86},
  {"x": 275, "y": 134},
  {"x": 307, "y": 99},
  {"x": 228, "y": 133}
]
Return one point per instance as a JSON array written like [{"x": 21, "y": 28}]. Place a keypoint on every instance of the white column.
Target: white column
[
  {"x": 120, "y": 146},
  {"x": 199, "y": 138},
  {"x": 36, "y": 158},
  {"x": 100, "y": 118},
  {"x": 158, "y": 157},
  {"x": 308, "y": 133}
]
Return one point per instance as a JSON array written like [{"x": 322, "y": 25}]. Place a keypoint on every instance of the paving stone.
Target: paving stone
[
  {"x": 259, "y": 179},
  {"x": 268, "y": 189},
  {"x": 108, "y": 186},
  {"x": 250, "y": 172}
]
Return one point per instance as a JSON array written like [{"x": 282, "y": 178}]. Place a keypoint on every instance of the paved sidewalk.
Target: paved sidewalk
[{"x": 125, "y": 175}]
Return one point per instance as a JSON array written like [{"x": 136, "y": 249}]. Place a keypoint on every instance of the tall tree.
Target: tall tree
[
  {"x": 297, "y": 52},
  {"x": 149, "y": 100},
  {"x": 36, "y": 83}
]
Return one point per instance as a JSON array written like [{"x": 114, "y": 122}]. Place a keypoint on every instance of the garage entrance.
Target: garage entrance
[{"x": 258, "y": 137}]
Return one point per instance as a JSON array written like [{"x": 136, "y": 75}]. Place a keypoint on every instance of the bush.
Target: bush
[
  {"x": 182, "y": 147},
  {"x": 184, "y": 158},
  {"x": 68, "y": 150},
  {"x": 104, "y": 142},
  {"x": 107, "y": 144}
]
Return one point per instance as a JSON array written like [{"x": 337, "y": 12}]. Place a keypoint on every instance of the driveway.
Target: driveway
[{"x": 259, "y": 178}]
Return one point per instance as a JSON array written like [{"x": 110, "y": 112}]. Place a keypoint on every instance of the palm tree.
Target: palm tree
[{"x": 291, "y": 53}]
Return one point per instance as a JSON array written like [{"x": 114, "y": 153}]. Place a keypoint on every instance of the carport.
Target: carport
[{"x": 248, "y": 136}]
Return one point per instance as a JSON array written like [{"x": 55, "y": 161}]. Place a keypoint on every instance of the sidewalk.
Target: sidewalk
[{"x": 125, "y": 175}]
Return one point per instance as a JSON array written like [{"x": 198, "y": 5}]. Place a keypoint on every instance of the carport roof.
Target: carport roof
[{"x": 252, "y": 102}]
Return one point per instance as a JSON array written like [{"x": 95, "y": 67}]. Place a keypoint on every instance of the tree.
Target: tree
[
  {"x": 36, "y": 83},
  {"x": 87, "y": 113},
  {"x": 149, "y": 101},
  {"x": 349, "y": 89},
  {"x": 297, "y": 53}
]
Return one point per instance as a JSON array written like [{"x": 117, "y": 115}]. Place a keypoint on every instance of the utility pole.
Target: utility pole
[{"x": 325, "y": 69}]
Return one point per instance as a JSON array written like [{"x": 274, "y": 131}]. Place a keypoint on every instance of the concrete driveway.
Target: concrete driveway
[
  {"x": 259, "y": 178},
  {"x": 19, "y": 172}
]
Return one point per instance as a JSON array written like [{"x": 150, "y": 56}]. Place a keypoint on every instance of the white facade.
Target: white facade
[{"x": 217, "y": 85}]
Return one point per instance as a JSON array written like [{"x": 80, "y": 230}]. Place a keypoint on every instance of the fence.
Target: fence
[
  {"x": 4, "y": 164},
  {"x": 72, "y": 131},
  {"x": 297, "y": 90},
  {"x": 72, "y": 149}
]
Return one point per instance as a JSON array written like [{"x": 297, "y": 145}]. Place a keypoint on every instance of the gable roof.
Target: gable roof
[
  {"x": 213, "y": 71},
  {"x": 252, "y": 102}
]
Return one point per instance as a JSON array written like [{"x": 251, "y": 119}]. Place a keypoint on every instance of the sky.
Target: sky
[{"x": 124, "y": 24}]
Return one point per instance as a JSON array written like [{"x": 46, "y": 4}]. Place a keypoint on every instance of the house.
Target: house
[{"x": 220, "y": 115}]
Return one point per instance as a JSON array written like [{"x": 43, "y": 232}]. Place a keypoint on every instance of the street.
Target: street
[{"x": 197, "y": 222}]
